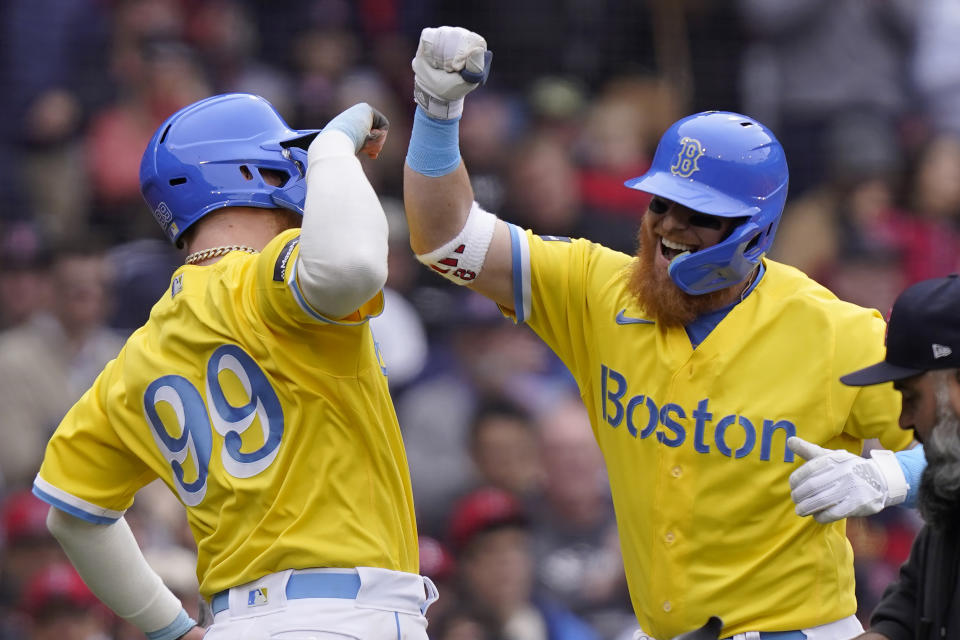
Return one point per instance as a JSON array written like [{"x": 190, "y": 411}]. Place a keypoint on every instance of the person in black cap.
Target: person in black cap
[{"x": 923, "y": 362}]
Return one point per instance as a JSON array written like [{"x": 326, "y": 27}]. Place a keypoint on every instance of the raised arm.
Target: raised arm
[
  {"x": 448, "y": 230},
  {"x": 343, "y": 251}
]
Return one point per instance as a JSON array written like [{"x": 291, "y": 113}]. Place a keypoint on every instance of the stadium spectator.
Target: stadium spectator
[
  {"x": 59, "y": 606},
  {"x": 28, "y": 545},
  {"x": 47, "y": 362},
  {"x": 574, "y": 529},
  {"x": 52, "y": 63},
  {"x": 505, "y": 452},
  {"x": 479, "y": 356},
  {"x": 24, "y": 274},
  {"x": 810, "y": 62},
  {"x": 437, "y": 563},
  {"x": 489, "y": 533},
  {"x": 935, "y": 70},
  {"x": 158, "y": 77}
]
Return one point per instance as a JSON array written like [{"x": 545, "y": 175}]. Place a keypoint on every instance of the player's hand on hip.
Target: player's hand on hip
[
  {"x": 450, "y": 63},
  {"x": 836, "y": 484},
  {"x": 364, "y": 125}
]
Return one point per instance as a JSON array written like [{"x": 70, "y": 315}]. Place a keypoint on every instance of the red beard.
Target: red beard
[{"x": 658, "y": 295}]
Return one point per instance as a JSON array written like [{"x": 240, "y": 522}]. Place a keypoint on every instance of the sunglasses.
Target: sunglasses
[{"x": 660, "y": 206}]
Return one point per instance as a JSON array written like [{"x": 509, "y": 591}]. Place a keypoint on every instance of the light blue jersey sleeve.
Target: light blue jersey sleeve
[{"x": 913, "y": 462}]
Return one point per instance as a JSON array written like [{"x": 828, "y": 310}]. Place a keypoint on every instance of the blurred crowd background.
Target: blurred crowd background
[{"x": 513, "y": 504}]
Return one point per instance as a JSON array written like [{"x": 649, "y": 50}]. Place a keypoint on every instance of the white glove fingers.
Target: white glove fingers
[
  {"x": 811, "y": 471},
  {"x": 804, "y": 449},
  {"x": 824, "y": 498},
  {"x": 471, "y": 59},
  {"x": 451, "y": 48}
]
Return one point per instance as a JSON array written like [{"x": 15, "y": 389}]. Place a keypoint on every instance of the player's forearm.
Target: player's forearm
[
  {"x": 436, "y": 207},
  {"x": 343, "y": 246},
  {"x": 109, "y": 560}
]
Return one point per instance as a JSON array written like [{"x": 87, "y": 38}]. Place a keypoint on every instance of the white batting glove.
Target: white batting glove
[
  {"x": 836, "y": 484},
  {"x": 450, "y": 63}
]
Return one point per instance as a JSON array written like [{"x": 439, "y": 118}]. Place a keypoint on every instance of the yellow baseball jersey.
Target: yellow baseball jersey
[
  {"x": 694, "y": 440},
  {"x": 271, "y": 423}
]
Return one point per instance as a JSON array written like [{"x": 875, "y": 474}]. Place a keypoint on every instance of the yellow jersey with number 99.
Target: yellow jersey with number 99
[
  {"x": 271, "y": 423},
  {"x": 694, "y": 439}
]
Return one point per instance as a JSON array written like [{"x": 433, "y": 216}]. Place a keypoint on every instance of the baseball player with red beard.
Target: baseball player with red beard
[{"x": 697, "y": 359}]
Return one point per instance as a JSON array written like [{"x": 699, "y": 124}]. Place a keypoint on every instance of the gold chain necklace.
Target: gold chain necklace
[{"x": 216, "y": 252}]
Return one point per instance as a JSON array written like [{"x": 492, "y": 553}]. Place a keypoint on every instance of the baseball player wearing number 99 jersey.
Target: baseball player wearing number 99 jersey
[
  {"x": 255, "y": 392},
  {"x": 697, "y": 359}
]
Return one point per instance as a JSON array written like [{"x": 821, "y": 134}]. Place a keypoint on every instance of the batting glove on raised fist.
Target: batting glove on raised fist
[
  {"x": 450, "y": 63},
  {"x": 836, "y": 484}
]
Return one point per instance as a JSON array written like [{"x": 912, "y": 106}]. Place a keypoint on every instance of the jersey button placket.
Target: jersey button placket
[{"x": 669, "y": 536}]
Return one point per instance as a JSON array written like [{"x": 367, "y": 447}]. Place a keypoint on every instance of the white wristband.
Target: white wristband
[
  {"x": 461, "y": 259},
  {"x": 897, "y": 486}
]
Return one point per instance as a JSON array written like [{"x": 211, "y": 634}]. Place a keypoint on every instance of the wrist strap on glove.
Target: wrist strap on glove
[
  {"x": 897, "y": 486},
  {"x": 435, "y": 107}
]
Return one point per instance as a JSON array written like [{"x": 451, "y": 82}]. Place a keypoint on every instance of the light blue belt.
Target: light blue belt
[{"x": 311, "y": 585}]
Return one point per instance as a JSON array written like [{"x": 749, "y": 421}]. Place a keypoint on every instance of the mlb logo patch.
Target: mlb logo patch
[
  {"x": 257, "y": 597},
  {"x": 177, "y": 285}
]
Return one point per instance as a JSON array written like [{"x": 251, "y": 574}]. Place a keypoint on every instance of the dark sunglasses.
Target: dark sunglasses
[{"x": 660, "y": 206}]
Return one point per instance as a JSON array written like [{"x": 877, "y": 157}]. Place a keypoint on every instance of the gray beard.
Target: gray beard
[{"x": 939, "y": 495}]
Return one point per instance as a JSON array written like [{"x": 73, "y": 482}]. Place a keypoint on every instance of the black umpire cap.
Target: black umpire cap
[{"x": 923, "y": 333}]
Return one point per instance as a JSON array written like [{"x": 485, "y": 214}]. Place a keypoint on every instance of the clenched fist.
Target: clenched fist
[{"x": 450, "y": 63}]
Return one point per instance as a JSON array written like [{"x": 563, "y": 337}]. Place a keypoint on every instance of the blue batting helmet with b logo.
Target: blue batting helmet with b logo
[
  {"x": 722, "y": 164},
  {"x": 210, "y": 154}
]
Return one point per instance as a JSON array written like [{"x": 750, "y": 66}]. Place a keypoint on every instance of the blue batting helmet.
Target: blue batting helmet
[
  {"x": 209, "y": 154},
  {"x": 722, "y": 164}
]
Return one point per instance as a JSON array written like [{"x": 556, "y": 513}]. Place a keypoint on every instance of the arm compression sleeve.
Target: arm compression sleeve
[
  {"x": 343, "y": 242},
  {"x": 109, "y": 560}
]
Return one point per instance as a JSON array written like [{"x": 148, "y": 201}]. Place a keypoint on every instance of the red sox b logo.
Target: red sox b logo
[{"x": 685, "y": 163}]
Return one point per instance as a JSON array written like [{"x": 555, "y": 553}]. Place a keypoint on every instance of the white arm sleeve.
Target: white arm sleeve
[
  {"x": 343, "y": 242},
  {"x": 109, "y": 560}
]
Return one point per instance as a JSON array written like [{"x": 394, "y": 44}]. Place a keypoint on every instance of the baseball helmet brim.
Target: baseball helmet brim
[{"x": 695, "y": 195}]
